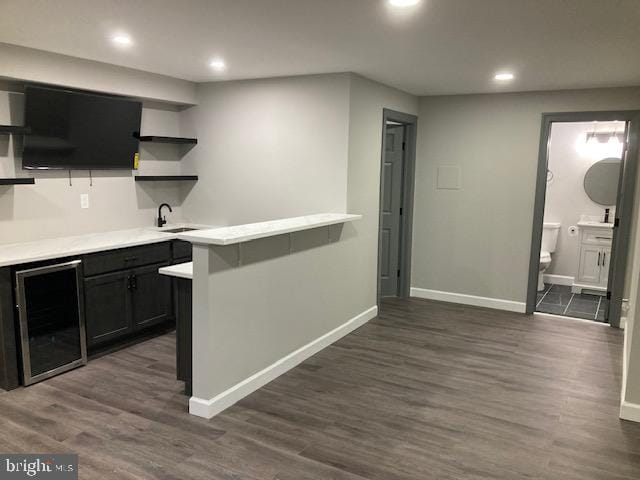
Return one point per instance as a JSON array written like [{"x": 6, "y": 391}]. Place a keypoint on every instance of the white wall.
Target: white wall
[
  {"x": 51, "y": 207},
  {"x": 477, "y": 240},
  {"x": 566, "y": 199}
]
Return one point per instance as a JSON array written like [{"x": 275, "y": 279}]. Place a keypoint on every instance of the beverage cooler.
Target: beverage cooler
[{"x": 51, "y": 318}]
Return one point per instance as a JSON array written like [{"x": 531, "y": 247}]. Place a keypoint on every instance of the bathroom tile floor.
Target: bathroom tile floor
[{"x": 559, "y": 300}]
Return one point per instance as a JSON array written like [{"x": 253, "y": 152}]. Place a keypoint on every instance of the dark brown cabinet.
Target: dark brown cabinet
[
  {"x": 125, "y": 300},
  {"x": 121, "y": 303},
  {"x": 150, "y": 297},
  {"x": 107, "y": 307},
  {"x": 9, "y": 373},
  {"x": 135, "y": 297}
]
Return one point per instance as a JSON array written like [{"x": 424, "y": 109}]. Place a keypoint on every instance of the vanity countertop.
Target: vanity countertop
[
  {"x": 26, "y": 252},
  {"x": 181, "y": 270},
  {"x": 592, "y": 224}
]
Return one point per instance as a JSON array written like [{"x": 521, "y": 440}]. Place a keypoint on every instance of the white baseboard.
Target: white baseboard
[
  {"x": 558, "y": 279},
  {"x": 208, "y": 408},
  {"x": 630, "y": 411},
  {"x": 451, "y": 297}
]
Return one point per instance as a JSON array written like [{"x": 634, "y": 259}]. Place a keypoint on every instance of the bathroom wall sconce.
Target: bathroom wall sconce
[
  {"x": 605, "y": 137},
  {"x": 598, "y": 145}
]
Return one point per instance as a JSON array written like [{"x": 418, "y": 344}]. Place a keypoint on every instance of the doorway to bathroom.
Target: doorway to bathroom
[
  {"x": 583, "y": 214},
  {"x": 397, "y": 172}
]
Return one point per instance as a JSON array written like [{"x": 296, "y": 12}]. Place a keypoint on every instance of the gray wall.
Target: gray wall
[
  {"x": 367, "y": 102},
  {"x": 295, "y": 298},
  {"x": 631, "y": 380},
  {"x": 269, "y": 149},
  {"x": 631, "y": 377},
  {"x": 476, "y": 240},
  {"x": 21, "y": 63}
]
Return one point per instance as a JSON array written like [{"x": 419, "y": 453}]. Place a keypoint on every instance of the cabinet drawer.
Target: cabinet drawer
[
  {"x": 597, "y": 238},
  {"x": 114, "y": 260}
]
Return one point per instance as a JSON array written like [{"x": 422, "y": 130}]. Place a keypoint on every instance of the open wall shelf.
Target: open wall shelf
[
  {"x": 175, "y": 140},
  {"x": 14, "y": 130},
  {"x": 17, "y": 181},
  {"x": 166, "y": 178}
]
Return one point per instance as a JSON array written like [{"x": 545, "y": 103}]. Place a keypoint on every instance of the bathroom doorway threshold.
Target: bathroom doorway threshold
[
  {"x": 567, "y": 318},
  {"x": 623, "y": 211},
  {"x": 560, "y": 300}
]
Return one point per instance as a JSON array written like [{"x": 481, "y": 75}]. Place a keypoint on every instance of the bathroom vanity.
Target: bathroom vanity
[{"x": 594, "y": 257}]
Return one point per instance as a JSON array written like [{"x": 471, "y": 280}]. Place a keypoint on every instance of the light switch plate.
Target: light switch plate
[{"x": 84, "y": 200}]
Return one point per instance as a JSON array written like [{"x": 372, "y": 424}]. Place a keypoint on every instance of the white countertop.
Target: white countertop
[
  {"x": 253, "y": 231},
  {"x": 181, "y": 270},
  {"x": 26, "y": 252},
  {"x": 591, "y": 224}
]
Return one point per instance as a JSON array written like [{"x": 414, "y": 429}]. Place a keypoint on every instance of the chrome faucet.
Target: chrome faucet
[{"x": 162, "y": 220}]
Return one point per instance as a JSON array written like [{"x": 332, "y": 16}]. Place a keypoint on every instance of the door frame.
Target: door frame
[
  {"x": 408, "y": 181},
  {"x": 624, "y": 208}
]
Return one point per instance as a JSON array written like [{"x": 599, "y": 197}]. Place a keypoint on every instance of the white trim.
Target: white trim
[
  {"x": 630, "y": 411},
  {"x": 464, "y": 299},
  {"x": 211, "y": 407},
  {"x": 580, "y": 287},
  {"x": 558, "y": 279},
  {"x": 571, "y": 319}
]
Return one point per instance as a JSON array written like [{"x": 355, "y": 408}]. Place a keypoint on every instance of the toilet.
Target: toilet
[{"x": 549, "y": 241}]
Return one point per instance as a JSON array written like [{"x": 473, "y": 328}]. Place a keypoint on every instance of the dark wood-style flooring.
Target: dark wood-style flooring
[{"x": 426, "y": 391}]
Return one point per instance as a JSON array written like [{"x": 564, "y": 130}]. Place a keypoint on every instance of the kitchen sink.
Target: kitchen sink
[{"x": 178, "y": 230}]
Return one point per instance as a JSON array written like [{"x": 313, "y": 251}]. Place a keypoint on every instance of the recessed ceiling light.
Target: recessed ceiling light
[
  {"x": 504, "y": 76},
  {"x": 217, "y": 64},
  {"x": 403, "y": 3},
  {"x": 122, "y": 40}
]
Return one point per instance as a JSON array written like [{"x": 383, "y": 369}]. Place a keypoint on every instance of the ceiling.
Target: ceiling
[{"x": 438, "y": 47}]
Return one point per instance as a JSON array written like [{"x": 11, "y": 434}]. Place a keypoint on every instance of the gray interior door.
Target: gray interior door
[
  {"x": 620, "y": 244},
  {"x": 392, "y": 174}
]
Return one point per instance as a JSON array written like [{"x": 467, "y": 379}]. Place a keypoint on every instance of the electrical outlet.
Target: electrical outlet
[{"x": 84, "y": 200}]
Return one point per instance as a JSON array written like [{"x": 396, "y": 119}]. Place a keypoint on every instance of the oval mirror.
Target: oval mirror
[{"x": 601, "y": 181}]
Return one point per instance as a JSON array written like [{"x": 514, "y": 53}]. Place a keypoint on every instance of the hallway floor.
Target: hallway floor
[
  {"x": 427, "y": 390},
  {"x": 558, "y": 300}
]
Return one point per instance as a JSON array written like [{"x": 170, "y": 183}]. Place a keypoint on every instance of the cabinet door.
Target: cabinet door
[
  {"x": 181, "y": 251},
  {"x": 604, "y": 269},
  {"x": 151, "y": 296},
  {"x": 107, "y": 307},
  {"x": 590, "y": 258}
]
